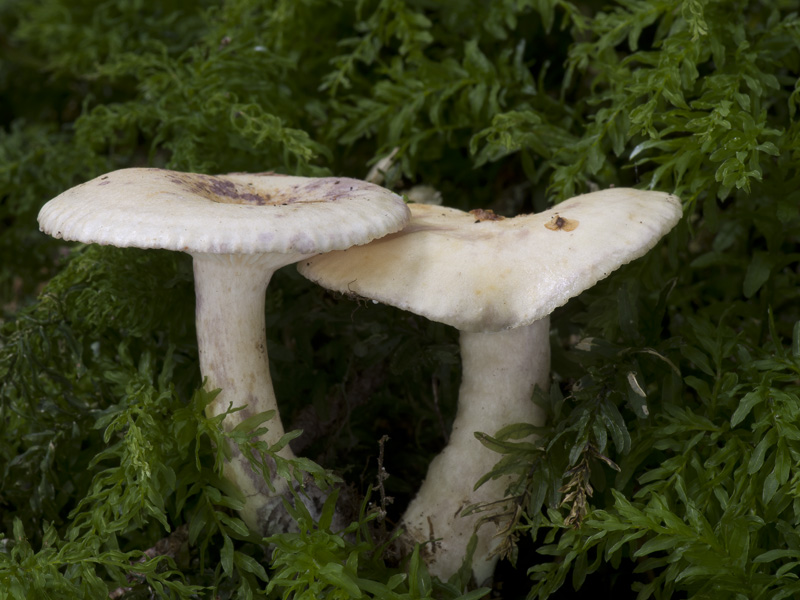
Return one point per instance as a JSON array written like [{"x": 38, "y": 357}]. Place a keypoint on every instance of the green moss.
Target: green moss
[{"x": 511, "y": 105}]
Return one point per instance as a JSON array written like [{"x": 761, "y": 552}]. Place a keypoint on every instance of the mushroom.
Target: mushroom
[
  {"x": 496, "y": 280},
  {"x": 239, "y": 228}
]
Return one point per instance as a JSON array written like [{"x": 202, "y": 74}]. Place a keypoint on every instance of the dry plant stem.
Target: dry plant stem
[
  {"x": 500, "y": 371},
  {"x": 232, "y": 342}
]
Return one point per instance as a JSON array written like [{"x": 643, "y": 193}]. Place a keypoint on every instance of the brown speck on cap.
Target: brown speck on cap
[
  {"x": 481, "y": 215},
  {"x": 559, "y": 223}
]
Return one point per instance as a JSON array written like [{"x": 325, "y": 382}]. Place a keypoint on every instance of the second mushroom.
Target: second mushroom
[{"x": 497, "y": 281}]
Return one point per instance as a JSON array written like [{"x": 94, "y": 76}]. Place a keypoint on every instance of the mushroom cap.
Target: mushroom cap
[
  {"x": 480, "y": 272},
  {"x": 238, "y": 213}
]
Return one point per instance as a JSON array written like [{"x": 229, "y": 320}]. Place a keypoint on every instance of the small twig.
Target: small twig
[{"x": 383, "y": 476}]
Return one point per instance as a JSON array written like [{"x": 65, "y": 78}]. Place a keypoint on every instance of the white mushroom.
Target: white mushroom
[
  {"x": 496, "y": 280},
  {"x": 239, "y": 228}
]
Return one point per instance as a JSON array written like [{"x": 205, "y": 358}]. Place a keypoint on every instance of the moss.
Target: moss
[{"x": 510, "y": 106}]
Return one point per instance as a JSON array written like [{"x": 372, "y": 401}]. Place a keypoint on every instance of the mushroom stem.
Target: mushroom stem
[
  {"x": 231, "y": 336},
  {"x": 499, "y": 373}
]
